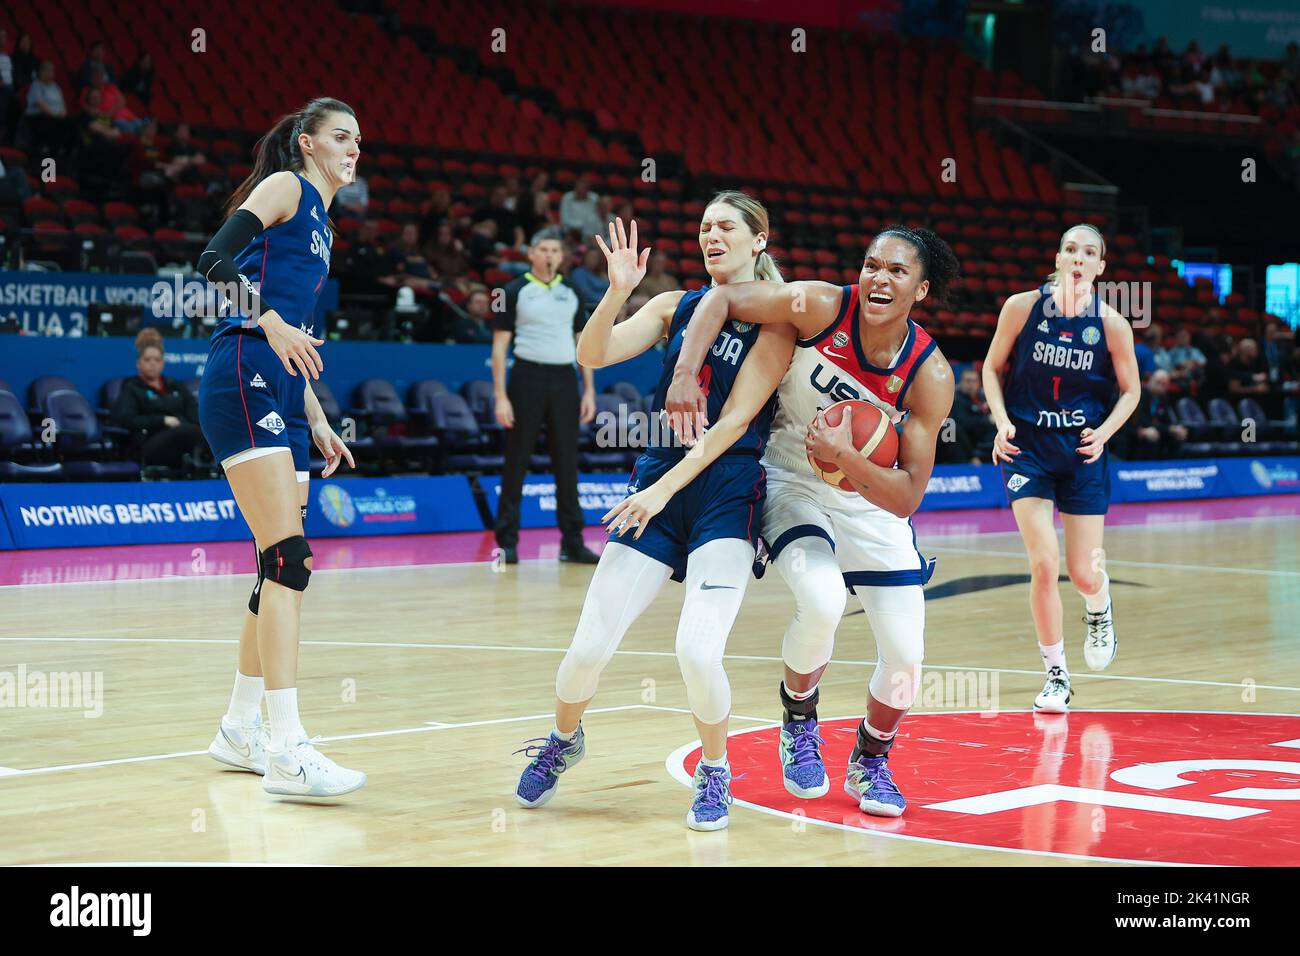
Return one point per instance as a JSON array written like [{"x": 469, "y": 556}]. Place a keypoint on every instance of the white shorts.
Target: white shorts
[{"x": 872, "y": 546}]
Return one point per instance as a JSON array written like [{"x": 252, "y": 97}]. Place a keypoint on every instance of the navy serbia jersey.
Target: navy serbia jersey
[
  {"x": 1060, "y": 375},
  {"x": 717, "y": 376},
  {"x": 726, "y": 499},
  {"x": 288, "y": 264}
]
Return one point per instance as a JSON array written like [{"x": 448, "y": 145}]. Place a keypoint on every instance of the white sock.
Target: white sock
[
  {"x": 282, "y": 709},
  {"x": 880, "y": 734},
  {"x": 799, "y": 694},
  {"x": 720, "y": 762},
  {"x": 245, "y": 699},
  {"x": 570, "y": 735},
  {"x": 1053, "y": 655},
  {"x": 1101, "y": 600}
]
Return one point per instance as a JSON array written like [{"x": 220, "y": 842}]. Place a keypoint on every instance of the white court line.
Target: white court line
[
  {"x": 560, "y": 650},
  {"x": 1266, "y": 572},
  {"x": 429, "y": 726}
]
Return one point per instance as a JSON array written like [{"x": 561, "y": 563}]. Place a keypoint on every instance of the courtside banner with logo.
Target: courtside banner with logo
[
  {"x": 1169, "y": 480},
  {"x": 104, "y": 513},
  {"x": 1263, "y": 476},
  {"x": 964, "y": 486},
  {"x": 596, "y": 493},
  {"x": 368, "y": 506}
]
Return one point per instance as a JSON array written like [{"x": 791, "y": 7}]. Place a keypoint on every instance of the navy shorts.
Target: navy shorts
[
  {"x": 724, "y": 501},
  {"x": 1049, "y": 467},
  {"x": 247, "y": 400}
]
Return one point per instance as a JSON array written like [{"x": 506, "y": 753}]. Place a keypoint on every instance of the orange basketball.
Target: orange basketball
[{"x": 873, "y": 435}]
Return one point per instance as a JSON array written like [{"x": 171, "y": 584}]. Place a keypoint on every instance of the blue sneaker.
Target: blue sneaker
[
  {"x": 551, "y": 757},
  {"x": 802, "y": 767},
  {"x": 712, "y": 798},
  {"x": 870, "y": 783}
]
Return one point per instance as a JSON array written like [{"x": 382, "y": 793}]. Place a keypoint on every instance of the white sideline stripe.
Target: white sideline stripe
[
  {"x": 560, "y": 650},
  {"x": 428, "y": 726}
]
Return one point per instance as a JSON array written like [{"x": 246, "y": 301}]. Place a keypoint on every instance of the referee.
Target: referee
[{"x": 543, "y": 314}]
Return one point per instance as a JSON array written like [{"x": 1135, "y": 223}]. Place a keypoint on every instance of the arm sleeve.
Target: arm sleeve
[{"x": 217, "y": 264}]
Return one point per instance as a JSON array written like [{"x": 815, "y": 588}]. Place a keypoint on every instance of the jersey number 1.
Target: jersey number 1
[
  {"x": 1056, "y": 388},
  {"x": 706, "y": 376}
]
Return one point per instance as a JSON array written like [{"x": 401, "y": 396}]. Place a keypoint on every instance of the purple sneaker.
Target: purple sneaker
[
  {"x": 870, "y": 783},
  {"x": 551, "y": 757},
  {"x": 712, "y": 798},
  {"x": 802, "y": 767}
]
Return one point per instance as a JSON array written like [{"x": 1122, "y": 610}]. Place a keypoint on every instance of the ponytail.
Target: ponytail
[
  {"x": 278, "y": 150},
  {"x": 766, "y": 269}
]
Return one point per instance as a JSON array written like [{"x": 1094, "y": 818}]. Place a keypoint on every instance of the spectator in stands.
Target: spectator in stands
[
  {"x": 47, "y": 116},
  {"x": 1187, "y": 360},
  {"x": 590, "y": 278},
  {"x": 446, "y": 254},
  {"x": 103, "y": 148},
  {"x": 1218, "y": 351},
  {"x": 1160, "y": 356},
  {"x": 354, "y": 198},
  {"x": 1156, "y": 432},
  {"x": 367, "y": 260},
  {"x": 138, "y": 81},
  {"x": 971, "y": 413},
  {"x": 25, "y": 61},
  {"x": 407, "y": 265},
  {"x": 1145, "y": 358},
  {"x": 1279, "y": 343},
  {"x": 657, "y": 278},
  {"x": 435, "y": 210},
  {"x": 112, "y": 102},
  {"x": 1224, "y": 74},
  {"x": 634, "y": 302},
  {"x": 184, "y": 158},
  {"x": 162, "y": 415},
  {"x": 483, "y": 253},
  {"x": 148, "y": 168},
  {"x": 543, "y": 317},
  {"x": 1247, "y": 373},
  {"x": 1291, "y": 62},
  {"x": 509, "y": 231},
  {"x": 6, "y": 85},
  {"x": 580, "y": 211},
  {"x": 533, "y": 205},
  {"x": 475, "y": 327},
  {"x": 13, "y": 184},
  {"x": 94, "y": 58}
]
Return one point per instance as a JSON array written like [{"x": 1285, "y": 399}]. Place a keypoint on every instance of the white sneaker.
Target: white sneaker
[
  {"x": 301, "y": 770},
  {"x": 1055, "y": 698},
  {"x": 1100, "y": 645},
  {"x": 241, "y": 745}
]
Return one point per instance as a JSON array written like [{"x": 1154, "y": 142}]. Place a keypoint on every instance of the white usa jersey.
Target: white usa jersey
[{"x": 831, "y": 367}]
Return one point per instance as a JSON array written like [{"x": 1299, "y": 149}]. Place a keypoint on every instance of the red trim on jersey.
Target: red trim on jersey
[
  {"x": 239, "y": 379},
  {"x": 845, "y": 357}
]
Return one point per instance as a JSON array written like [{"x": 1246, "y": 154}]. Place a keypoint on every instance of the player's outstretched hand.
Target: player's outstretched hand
[
  {"x": 332, "y": 447},
  {"x": 294, "y": 346},
  {"x": 1093, "y": 445},
  {"x": 1003, "y": 450},
  {"x": 625, "y": 265},
  {"x": 635, "y": 511}
]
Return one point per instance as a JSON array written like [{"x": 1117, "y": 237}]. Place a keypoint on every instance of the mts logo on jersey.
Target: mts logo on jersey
[
  {"x": 835, "y": 387},
  {"x": 728, "y": 348},
  {"x": 1059, "y": 356},
  {"x": 1063, "y": 418}
]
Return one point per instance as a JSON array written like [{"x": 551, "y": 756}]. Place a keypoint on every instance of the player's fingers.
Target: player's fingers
[
  {"x": 622, "y": 234},
  {"x": 645, "y": 257},
  {"x": 347, "y": 453},
  {"x": 631, "y": 239},
  {"x": 601, "y": 242},
  {"x": 330, "y": 465},
  {"x": 315, "y": 357},
  {"x": 284, "y": 358}
]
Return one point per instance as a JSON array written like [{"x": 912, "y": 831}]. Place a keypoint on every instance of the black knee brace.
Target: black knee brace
[
  {"x": 256, "y": 599},
  {"x": 284, "y": 563}
]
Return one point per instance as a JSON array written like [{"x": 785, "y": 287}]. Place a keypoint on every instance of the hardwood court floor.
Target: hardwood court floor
[{"x": 429, "y": 677}]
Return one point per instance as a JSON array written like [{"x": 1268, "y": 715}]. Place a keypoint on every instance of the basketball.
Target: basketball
[{"x": 873, "y": 435}]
